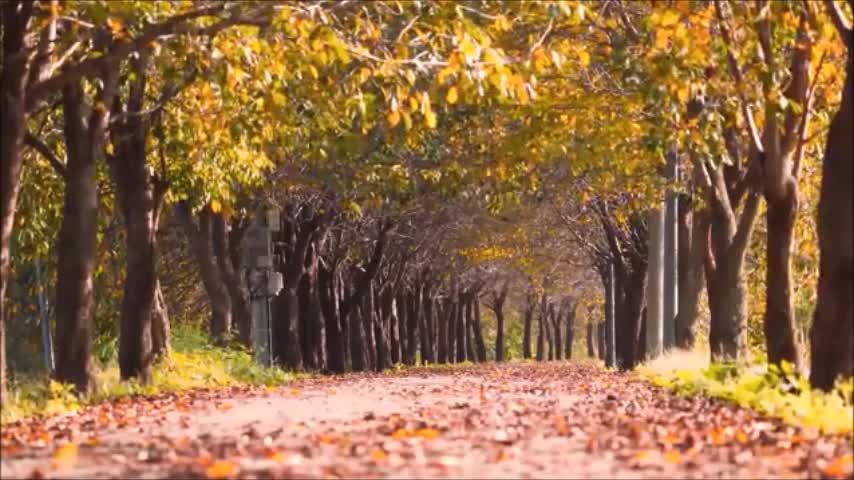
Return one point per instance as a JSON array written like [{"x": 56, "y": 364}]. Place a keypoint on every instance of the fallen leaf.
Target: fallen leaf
[
  {"x": 672, "y": 456},
  {"x": 221, "y": 469},
  {"x": 378, "y": 455},
  {"x": 65, "y": 456},
  {"x": 840, "y": 467},
  {"x": 428, "y": 433}
]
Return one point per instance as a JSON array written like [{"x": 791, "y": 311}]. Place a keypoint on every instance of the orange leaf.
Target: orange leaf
[
  {"x": 65, "y": 456},
  {"x": 841, "y": 467},
  {"x": 378, "y": 455},
  {"x": 428, "y": 433},
  {"x": 273, "y": 455},
  {"x": 741, "y": 437},
  {"x": 401, "y": 433},
  {"x": 221, "y": 469},
  {"x": 672, "y": 456}
]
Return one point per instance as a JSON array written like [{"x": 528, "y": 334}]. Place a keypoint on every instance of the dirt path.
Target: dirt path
[{"x": 548, "y": 420}]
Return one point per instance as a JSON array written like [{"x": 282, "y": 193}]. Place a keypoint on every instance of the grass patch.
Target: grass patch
[
  {"x": 194, "y": 363},
  {"x": 779, "y": 393}
]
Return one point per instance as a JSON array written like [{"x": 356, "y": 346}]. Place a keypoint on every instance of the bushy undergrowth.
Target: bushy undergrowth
[
  {"x": 776, "y": 392},
  {"x": 193, "y": 363}
]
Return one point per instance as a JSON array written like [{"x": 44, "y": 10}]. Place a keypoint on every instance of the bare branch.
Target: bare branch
[{"x": 38, "y": 145}]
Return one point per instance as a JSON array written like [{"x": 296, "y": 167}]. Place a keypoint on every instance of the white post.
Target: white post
[{"x": 655, "y": 285}]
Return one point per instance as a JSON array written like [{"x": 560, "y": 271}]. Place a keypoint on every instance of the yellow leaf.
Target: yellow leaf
[
  {"x": 65, "y": 456},
  {"x": 661, "y": 38},
  {"x": 430, "y": 119},
  {"x": 393, "y": 118},
  {"x": 452, "y": 95},
  {"x": 221, "y": 469},
  {"x": 468, "y": 48},
  {"x": 216, "y": 207},
  {"x": 669, "y": 18},
  {"x": 584, "y": 57},
  {"x": 425, "y": 103},
  {"x": 682, "y": 93}
]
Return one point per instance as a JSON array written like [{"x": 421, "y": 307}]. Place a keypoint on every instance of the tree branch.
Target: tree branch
[
  {"x": 38, "y": 145},
  {"x": 735, "y": 71},
  {"x": 839, "y": 21}
]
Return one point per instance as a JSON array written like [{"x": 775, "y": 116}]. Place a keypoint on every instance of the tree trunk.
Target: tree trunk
[
  {"x": 526, "y": 329},
  {"x": 402, "y": 326},
  {"x": 241, "y": 314},
  {"x": 13, "y": 113},
  {"x": 471, "y": 355},
  {"x": 370, "y": 337},
  {"x": 357, "y": 341},
  {"x": 480, "y": 345},
  {"x": 444, "y": 319},
  {"x": 557, "y": 319},
  {"x": 202, "y": 249},
  {"x": 426, "y": 326},
  {"x": 831, "y": 344},
  {"x": 386, "y": 301},
  {"x": 591, "y": 339},
  {"x": 631, "y": 314},
  {"x": 460, "y": 329},
  {"x": 412, "y": 321},
  {"x": 498, "y": 300},
  {"x": 329, "y": 305},
  {"x": 383, "y": 352},
  {"x": 779, "y": 320},
  {"x": 78, "y": 234},
  {"x": 693, "y": 233},
  {"x": 541, "y": 338},
  {"x": 727, "y": 289},
  {"x": 570, "y": 328},
  {"x": 394, "y": 325},
  {"x": 236, "y": 284},
  {"x": 160, "y": 331}
]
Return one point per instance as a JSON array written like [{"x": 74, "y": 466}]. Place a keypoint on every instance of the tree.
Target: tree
[{"x": 834, "y": 313}]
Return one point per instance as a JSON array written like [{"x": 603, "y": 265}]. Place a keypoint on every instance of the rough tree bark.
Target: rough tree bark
[
  {"x": 241, "y": 314},
  {"x": 497, "y": 306},
  {"x": 13, "y": 111},
  {"x": 693, "y": 233},
  {"x": 201, "y": 246},
  {"x": 460, "y": 326},
  {"x": 160, "y": 331},
  {"x": 569, "y": 315},
  {"x": 84, "y": 137},
  {"x": 526, "y": 328},
  {"x": 591, "y": 339},
  {"x": 832, "y": 346},
  {"x": 479, "y": 344}
]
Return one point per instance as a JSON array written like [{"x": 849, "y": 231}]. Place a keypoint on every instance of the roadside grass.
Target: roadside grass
[
  {"x": 194, "y": 363},
  {"x": 775, "y": 392}
]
